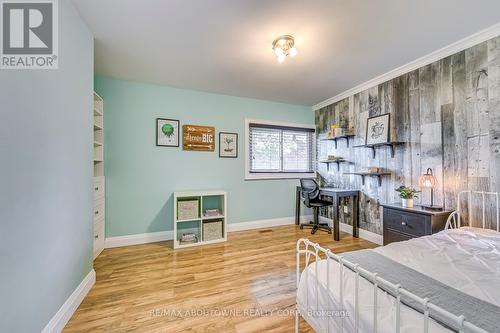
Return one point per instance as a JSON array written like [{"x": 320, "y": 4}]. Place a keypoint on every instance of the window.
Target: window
[{"x": 277, "y": 150}]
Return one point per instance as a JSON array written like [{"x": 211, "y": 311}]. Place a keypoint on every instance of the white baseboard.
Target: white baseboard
[
  {"x": 264, "y": 223},
  {"x": 160, "y": 236},
  {"x": 169, "y": 235},
  {"x": 136, "y": 239},
  {"x": 61, "y": 318},
  {"x": 365, "y": 234}
]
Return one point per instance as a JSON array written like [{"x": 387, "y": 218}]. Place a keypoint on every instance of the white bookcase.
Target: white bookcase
[
  {"x": 99, "y": 181},
  {"x": 206, "y": 200}
]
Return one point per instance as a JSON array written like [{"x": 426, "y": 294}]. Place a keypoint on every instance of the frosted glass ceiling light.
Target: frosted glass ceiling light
[{"x": 283, "y": 46}]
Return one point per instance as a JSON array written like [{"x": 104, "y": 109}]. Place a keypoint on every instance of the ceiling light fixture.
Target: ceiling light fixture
[{"x": 283, "y": 46}]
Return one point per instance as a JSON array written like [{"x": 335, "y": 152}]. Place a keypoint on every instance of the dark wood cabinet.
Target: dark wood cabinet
[{"x": 401, "y": 223}]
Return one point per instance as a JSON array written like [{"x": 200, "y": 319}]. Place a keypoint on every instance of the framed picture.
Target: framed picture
[
  {"x": 167, "y": 132},
  {"x": 228, "y": 144},
  {"x": 377, "y": 129}
]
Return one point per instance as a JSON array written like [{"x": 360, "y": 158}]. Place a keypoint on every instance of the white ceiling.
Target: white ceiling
[{"x": 224, "y": 46}]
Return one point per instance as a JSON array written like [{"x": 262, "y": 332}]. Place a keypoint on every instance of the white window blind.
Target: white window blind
[{"x": 280, "y": 149}]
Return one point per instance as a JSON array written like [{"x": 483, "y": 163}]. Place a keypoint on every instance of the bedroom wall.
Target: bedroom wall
[
  {"x": 448, "y": 116},
  {"x": 141, "y": 177},
  {"x": 46, "y": 195}
]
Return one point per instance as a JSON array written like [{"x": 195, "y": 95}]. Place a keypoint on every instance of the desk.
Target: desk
[{"x": 335, "y": 194}]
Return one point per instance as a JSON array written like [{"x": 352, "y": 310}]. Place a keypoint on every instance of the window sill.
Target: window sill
[{"x": 270, "y": 176}]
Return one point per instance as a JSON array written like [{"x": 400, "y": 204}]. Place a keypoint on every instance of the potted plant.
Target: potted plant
[{"x": 407, "y": 194}]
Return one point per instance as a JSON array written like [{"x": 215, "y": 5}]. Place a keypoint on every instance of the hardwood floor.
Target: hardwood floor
[{"x": 153, "y": 288}]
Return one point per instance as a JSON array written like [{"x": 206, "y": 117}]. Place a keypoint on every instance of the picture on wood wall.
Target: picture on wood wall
[
  {"x": 228, "y": 144},
  {"x": 167, "y": 132},
  {"x": 377, "y": 129},
  {"x": 200, "y": 138}
]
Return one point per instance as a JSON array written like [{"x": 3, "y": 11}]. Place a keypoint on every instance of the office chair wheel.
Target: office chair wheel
[{"x": 313, "y": 230}]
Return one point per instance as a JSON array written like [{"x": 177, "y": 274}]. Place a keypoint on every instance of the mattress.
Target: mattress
[{"x": 467, "y": 259}]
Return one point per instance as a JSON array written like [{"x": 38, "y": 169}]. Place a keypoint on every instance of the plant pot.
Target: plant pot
[{"x": 407, "y": 203}]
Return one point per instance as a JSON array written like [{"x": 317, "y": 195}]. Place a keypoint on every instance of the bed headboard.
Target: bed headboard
[{"x": 476, "y": 208}]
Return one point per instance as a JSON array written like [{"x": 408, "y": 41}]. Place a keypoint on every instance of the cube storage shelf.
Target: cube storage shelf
[{"x": 195, "y": 221}]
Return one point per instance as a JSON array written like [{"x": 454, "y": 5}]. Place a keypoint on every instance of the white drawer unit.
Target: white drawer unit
[{"x": 99, "y": 190}]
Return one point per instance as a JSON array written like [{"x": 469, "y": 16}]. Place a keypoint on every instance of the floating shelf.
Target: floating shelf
[
  {"x": 369, "y": 174},
  {"x": 392, "y": 145},
  {"x": 335, "y": 138},
  {"x": 338, "y": 161}
]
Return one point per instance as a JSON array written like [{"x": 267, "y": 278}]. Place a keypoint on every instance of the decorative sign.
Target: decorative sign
[{"x": 199, "y": 137}]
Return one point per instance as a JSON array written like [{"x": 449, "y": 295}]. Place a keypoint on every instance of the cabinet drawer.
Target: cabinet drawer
[
  {"x": 99, "y": 209},
  {"x": 393, "y": 236},
  {"x": 99, "y": 235},
  {"x": 408, "y": 223},
  {"x": 98, "y": 188}
]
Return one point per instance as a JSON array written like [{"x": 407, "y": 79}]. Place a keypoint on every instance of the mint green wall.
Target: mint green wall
[
  {"x": 46, "y": 203},
  {"x": 140, "y": 177}
]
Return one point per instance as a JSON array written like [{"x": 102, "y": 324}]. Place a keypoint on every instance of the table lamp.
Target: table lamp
[{"x": 428, "y": 180}]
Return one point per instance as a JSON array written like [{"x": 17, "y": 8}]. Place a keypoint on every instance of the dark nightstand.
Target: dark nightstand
[{"x": 402, "y": 223}]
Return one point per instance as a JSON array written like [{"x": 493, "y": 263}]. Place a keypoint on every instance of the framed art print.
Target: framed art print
[
  {"x": 167, "y": 132},
  {"x": 377, "y": 129},
  {"x": 228, "y": 144}
]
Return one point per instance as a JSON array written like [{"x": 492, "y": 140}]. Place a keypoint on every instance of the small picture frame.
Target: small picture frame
[
  {"x": 377, "y": 129},
  {"x": 228, "y": 145},
  {"x": 167, "y": 132}
]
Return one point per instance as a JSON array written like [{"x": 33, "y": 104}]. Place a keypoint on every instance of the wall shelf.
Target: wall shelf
[
  {"x": 337, "y": 161},
  {"x": 379, "y": 175},
  {"x": 339, "y": 137},
  {"x": 392, "y": 145},
  {"x": 99, "y": 179}
]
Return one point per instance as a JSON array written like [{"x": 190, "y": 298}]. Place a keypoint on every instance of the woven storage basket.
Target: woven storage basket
[
  {"x": 187, "y": 209},
  {"x": 212, "y": 230}
]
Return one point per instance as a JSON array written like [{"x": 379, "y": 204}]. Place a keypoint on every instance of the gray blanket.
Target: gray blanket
[{"x": 478, "y": 312}]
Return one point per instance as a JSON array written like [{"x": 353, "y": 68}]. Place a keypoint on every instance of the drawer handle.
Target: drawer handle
[
  {"x": 403, "y": 224},
  {"x": 96, "y": 236},
  {"x": 96, "y": 212},
  {"x": 96, "y": 188}
]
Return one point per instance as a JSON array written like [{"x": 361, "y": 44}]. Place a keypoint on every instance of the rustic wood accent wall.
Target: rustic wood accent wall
[{"x": 448, "y": 116}]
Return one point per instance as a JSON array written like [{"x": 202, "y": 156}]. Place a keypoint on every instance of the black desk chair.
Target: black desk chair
[{"x": 310, "y": 193}]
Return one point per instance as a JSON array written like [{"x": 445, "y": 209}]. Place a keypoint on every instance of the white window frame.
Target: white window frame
[{"x": 274, "y": 175}]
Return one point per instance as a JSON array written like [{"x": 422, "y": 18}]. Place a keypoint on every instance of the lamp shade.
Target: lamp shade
[{"x": 427, "y": 180}]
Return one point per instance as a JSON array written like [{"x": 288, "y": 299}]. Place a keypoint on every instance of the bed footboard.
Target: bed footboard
[{"x": 313, "y": 252}]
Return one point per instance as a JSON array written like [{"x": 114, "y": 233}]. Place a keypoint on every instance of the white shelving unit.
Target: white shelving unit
[
  {"x": 99, "y": 180},
  {"x": 206, "y": 200}
]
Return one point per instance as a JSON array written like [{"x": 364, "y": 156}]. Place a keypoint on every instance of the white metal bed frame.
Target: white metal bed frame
[{"x": 310, "y": 249}]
